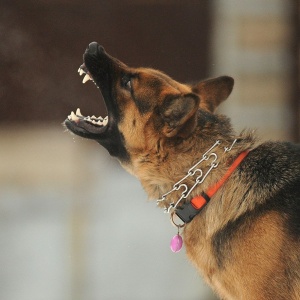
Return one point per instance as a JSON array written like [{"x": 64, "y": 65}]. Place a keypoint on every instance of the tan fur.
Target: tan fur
[
  {"x": 245, "y": 242},
  {"x": 158, "y": 164}
]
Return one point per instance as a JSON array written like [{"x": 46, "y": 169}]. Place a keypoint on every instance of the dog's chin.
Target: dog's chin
[{"x": 108, "y": 136}]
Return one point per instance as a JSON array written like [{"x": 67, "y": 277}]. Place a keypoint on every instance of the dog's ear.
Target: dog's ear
[
  {"x": 179, "y": 114},
  {"x": 213, "y": 91}
]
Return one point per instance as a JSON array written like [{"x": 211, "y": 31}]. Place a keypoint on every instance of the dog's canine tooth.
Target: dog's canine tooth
[
  {"x": 86, "y": 78},
  {"x": 78, "y": 112},
  {"x": 74, "y": 117},
  {"x": 105, "y": 121},
  {"x": 81, "y": 71}
]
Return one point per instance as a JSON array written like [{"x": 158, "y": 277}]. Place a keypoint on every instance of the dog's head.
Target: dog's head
[{"x": 143, "y": 105}]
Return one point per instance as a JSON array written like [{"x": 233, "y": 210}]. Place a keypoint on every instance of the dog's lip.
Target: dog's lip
[{"x": 89, "y": 127}]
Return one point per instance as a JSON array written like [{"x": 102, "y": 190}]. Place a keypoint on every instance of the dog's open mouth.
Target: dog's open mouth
[
  {"x": 86, "y": 125},
  {"x": 104, "y": 71}
]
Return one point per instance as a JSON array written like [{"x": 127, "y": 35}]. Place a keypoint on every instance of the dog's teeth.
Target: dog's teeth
[
  {"x": 105, "y": 121},
  {"x": 88, "y": 119},
  {"x": 81, "y": 72},
  {"x": 100, "y": 123},
  {"x": 78, "y": 112},
  {"x": 86, "y": 78},
  {"x": 93, "y": 116},
  {"x": 69, "y": 117},
  {"x": 74, "y": 117}
]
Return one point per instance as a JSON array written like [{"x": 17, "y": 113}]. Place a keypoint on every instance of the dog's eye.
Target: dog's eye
[{"x": 126, "y": 82}]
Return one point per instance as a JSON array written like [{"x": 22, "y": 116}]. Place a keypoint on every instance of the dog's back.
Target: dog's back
[{"x": 256, "y": 253}]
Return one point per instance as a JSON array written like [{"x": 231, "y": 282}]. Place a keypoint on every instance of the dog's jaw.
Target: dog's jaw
[{"x": 96, "y": 67}]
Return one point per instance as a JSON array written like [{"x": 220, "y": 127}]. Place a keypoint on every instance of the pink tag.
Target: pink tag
[{"x": 176, "y": 243}]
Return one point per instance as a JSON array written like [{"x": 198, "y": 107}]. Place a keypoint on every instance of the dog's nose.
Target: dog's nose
[{"x": 95, "y": 48}]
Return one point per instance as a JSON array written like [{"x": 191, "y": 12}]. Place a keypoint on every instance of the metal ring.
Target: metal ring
[{"x": 173, "y": 222}]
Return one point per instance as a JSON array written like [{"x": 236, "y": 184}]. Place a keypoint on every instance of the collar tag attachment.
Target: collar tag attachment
[
  {"x": 177, "y": 241},
  {"x": 188, "y": 211}
]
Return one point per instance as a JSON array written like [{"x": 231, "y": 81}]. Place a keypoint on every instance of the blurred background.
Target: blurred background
[{"x": 73, "y": 224}]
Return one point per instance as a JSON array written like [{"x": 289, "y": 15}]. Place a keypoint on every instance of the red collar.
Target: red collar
[{"x": 189, "y": 210}]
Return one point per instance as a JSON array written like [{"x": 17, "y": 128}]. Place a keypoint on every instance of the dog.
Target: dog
[{"x": 236, "y": 200}]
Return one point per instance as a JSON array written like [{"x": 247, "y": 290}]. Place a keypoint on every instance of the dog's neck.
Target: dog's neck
[
  {"x": 166, "y": 161},
  {"x": 160, "y": 171},
  {"x": 196, "y": 175}
]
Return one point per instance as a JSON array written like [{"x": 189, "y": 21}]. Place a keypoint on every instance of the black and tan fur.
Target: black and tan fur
[{"x": 246, "y": 241}]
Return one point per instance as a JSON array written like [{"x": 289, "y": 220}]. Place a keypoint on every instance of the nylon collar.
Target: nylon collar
[{"x": 188, "y": 211}]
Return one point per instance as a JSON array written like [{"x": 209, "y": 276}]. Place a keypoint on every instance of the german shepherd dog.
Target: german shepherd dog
[{"x": 239, "y": 200}]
